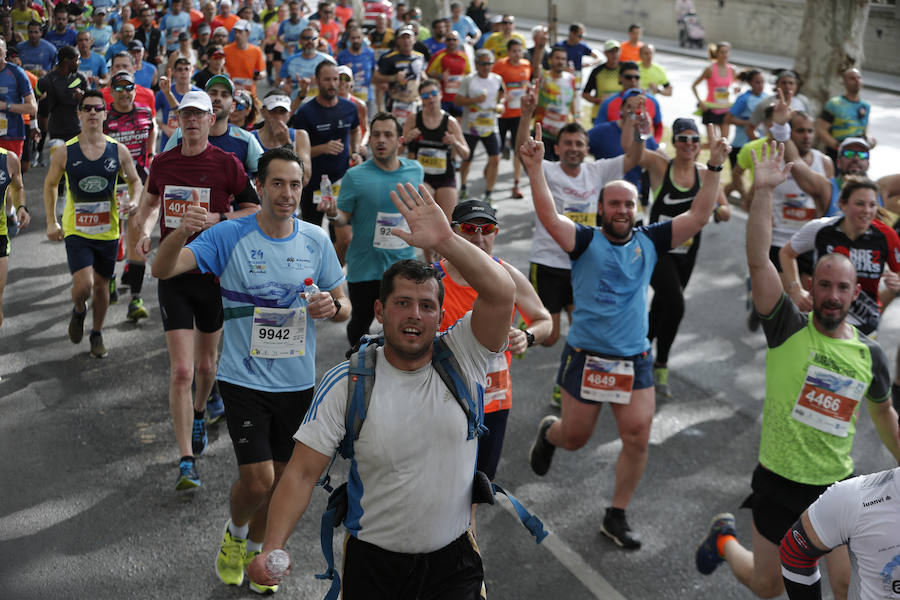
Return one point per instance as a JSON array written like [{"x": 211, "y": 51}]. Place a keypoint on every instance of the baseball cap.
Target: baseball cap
[
  {"x": 183, "y": 36},
  {"x": 277, "y": 101},
  {"x": 220, "y": 31},
  {"x": 100, "y": 10},
  {"x": 242, "y": 25},
  {"x": 12, "y": 51},
  {"x": 196, "y": 99},
  {"x": 217, "y": 49},
  {"x": 610, "y": 45},
  {"x": 407, "y": 30},
  {"x": 224, "y": 2},
  {"x": 345, "y": 70},
  {"x": 135, "y": 45},
  {"x": 474, "y": 209},
  {"x": 631, "y": 92},
  {"x": 203, "y": 29},
  {"x": 684, "y": 124},
  {"x": 850, "y": 141},
  {"x": 121, "y": 77},
  {"x": 220, "y": 79}
]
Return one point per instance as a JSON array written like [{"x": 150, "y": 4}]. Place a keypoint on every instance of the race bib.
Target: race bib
[
  {"x": 587, "y": 219},
  {"x": 607, "y": 380},
  {"x": 827, "y": 401},
  {"x": 243, "y": 83},
  {"x": 685, "y": 246},
  {"x": 514, "y": 96},
  {"x": 451, "y": 86},
  {"x": 176, "y": 199},
  {"x": 402, "y": 110},
  {"x": 361, "y": 92},
  {"x": 795, "y": 210},
  {"x": 92, "y": 217},
  {"x": 553, "y": 121},
  {"x": 335, "y": 190},
  {"x": 384, "y": 223},
  {"x": 497, "y": 383},
  {"x": 278, "y": 332},
  {"x": 4, "y": 124},
  {"x": 433, "y": 160},
  {"x": 483, "y": 122}
]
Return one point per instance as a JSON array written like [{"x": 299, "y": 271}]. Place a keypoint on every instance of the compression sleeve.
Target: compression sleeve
[{"x": 799, "y": 564}]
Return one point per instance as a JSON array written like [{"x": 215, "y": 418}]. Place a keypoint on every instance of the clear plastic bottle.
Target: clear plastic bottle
[
  {"x": 325, "y": 189},
  {"x": 310, "y": 288},
  {"x": 277, "y": 563}
]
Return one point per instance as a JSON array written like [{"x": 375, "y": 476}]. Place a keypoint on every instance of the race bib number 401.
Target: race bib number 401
[
  {"x": 176, "y": 199},
  {"x": 828, "y": 401}
]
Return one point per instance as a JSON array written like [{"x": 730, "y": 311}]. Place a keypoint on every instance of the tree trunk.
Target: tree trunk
[
  {"x": 433, "y": 9},
  {"x": 831, "y": 41}
]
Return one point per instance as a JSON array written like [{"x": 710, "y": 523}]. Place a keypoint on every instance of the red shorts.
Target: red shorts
[{"x": 13, "y": 146}]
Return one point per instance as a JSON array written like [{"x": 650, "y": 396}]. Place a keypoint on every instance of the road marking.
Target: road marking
[{"x": 576, "y": 565}]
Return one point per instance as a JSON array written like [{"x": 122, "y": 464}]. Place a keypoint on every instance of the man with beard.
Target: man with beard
[
  {"x": 334, "y": 136},
  {"x": 223, "y": 134},
  {"x": 361, "y": 60},
  {"x": 818, "y": 370},
  {"x": 607, "y": 356},
  {"x": 403, "y": 70}
]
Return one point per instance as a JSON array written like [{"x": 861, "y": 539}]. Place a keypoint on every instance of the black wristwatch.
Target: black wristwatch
[
  {"x": 715, "y": 169},
  {"x": 529, "y": 337},
  {"x": 337, "y": 306}
]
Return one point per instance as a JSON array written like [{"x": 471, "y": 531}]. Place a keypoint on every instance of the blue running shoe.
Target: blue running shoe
[
  {"x": 707, "y": 557},
  {"x": 215, "y": 408},
  {"x": 199, "y": 439},
  {"x": 187, "y": 476}
]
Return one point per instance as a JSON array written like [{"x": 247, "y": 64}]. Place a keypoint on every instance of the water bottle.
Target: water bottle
[
  {"x": 277, "y": 564},
  {"x": 310, "y": 288},
  {"x": 325, "y": 190},
  {"x": 643, "y": 125}
]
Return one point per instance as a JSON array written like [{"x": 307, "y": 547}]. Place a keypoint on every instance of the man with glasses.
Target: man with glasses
[
  {"x": 481, "y": 96},
  {"x": 132, "y": 126},
  {"x": 298, "y": 70},
  {"x": 403, "y": 70},
  {"x": 845, "y": 116},
  {"x": 604, "y": 80},
  {"x": 329, "y": 28},
  {"x": 449, "y": 66},
  {"x": 123, "y": 61},
  {"x": 630, "y": 79},
  {"x": 170, "y": 93},
  {"x": 191, "y": 304},
  {"x": 334, "y": 136},
  {"x": 215, "y": 65},
  {"x": 244, "y": 61},
  {"x": 92, "y": 165},
  {"x": 498, "y": 41},
  {"x": 576, "y": 49}
]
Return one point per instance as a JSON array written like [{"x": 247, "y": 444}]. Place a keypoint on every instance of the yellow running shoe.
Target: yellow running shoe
[
  {"x": 259, "y": 589},
  {"x": 230, "y": 559}
]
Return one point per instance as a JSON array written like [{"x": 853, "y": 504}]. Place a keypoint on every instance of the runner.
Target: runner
[
  {"x": 607, "y": 356},
  {"x": 190, "y": 305},
  {"x": 556, "y": 100},
  {"x": 403, "y": 70},
  {"x": 275, "y": 132},
  {"x": 10, "y": 178},
  {"x": 818, "y": 370},
  {"x": 516, "y": 73},
  {"x": 92, "y": 164},
  {"x": 267, "y": 370},
  {"x": 430, "y": 546}
]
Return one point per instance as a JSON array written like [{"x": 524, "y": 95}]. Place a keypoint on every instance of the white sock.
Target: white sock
[
  {"x": 253, "y": 546},
  {"x": 239, "y": 532}
]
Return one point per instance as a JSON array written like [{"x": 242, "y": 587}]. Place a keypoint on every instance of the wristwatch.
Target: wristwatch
[
  {"x": 337, "y": 307},
  {"x": 529, "y": 337}
]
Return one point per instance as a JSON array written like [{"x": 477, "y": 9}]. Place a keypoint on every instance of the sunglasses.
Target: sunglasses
[
  {"x": 431, "y": 94},
  {"x": 306, "y": 38},
  {"x": 484, "y": 63},
  {"x": 97, "y": 108},
  {"x": 507, "y": 22},
  {"x": 860, "y": 154},
  {"x": 472, "y": 228},
  {"x": 128, "y": 87},
  {"x": 240, "y": 106},
  {"x": 694, "y": 139},
  {"x": 631, "y": 77},
  {"x": 218, "y": 55}
]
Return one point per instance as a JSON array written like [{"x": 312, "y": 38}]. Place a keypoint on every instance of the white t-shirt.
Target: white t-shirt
[
  {"x": 411, "y": 475},
  {"x": 480, "y": 119},
  {"x": 577, "y": 197},
  {"x": 791, "y": 206},
  {"x": 864, "y": 512}
]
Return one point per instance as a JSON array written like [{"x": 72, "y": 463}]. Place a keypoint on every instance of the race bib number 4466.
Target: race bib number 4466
[
  {"x": 827, "y": 401},
  {"x": 176, "y": 199}
]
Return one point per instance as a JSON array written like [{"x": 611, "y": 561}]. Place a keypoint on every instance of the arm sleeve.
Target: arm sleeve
[
  {"x": 254, "y": 151},
  {"x": 827, "y": 113},
  {"x": 23, "y": 83},
  {"x": 591, "y": 84},
  {"x": 583, "y": 237},
  {"x": 247, "y": 194},
  {"x": 330, "y": 274},
  {"x": 893, "y": 244},
  {"x": 660, "y": 234},
  {"x": 603, "y": 113}
]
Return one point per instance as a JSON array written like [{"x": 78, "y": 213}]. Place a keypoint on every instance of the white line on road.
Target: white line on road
[{"x": 576, "y": 565}]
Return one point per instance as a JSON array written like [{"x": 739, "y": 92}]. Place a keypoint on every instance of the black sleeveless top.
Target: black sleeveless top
[
  {"x": 434, "y": 155},
  {"x": 670, "y": 201}
]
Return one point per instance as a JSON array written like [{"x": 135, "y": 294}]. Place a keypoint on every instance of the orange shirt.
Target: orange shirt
[
  {"x": 629, "y": 51},
  {"x": 515, "y": 77},
  {"x": 331, "y": 33},
  {"x": 226, "y": 22},
  {"x": 458, "y": 300},
  {"x": 243, "y": 65},
  {"x": 343, "y": 13}
]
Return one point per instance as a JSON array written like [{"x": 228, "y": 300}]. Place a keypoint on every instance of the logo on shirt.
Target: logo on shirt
[
  {"x": 93, "y": 184},
  {"x": 295, "y": 262},
  {"x": 876, "y": 501},
  {"x": 638, "y": 253},
  {"x": 670, "y": 201},
  {"x": 111, "y": 164},
  {"x": 3, "y": 178}
]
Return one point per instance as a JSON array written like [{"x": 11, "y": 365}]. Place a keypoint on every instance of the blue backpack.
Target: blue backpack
[{"x": 359, "y": 393}]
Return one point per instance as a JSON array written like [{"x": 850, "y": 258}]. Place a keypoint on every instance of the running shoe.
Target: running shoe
[
  {"x": 616, "y": 528},
  {"x": 463, "y": 193},
  {"x": 136, "y": 310},
  {"x": 517, "y": 193},
  {"x": 113, "y": 292},
  {"x": 199, "y": 439},
  {"x": 556, "y": 398},
  {"x": 505, "y": 152},
  {"x": 98, "y": 350},
  {"x": 215, "y": 408},
  {"x": 707, "y": 557},
  {"x": 256, "y": 587},
  {"x": 187, "y": 476},
  {"x": 661, "y": 381},
  {"x": 76, "y": 325},
  {"x": 230, "y": 559},
  {"x": 541, "y": 450}
]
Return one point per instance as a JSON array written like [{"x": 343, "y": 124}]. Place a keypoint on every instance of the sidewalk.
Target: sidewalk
[{"x": 595, "y": 37}]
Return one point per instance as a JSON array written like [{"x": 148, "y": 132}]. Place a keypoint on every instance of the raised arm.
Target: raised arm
[
  {"x": 764, "y": 279},
  {"x": 429, "y": 228},
  {"x": 688, "y": 224},
  {"x": 560, "y": 227}
]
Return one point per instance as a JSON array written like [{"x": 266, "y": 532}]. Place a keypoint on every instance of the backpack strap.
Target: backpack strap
[
  {"x": 447, "y": 367},
  {"x": 361, "y": 380},
  {"x": 533, "y": 524}
]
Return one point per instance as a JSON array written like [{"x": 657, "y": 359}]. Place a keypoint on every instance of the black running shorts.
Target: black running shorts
[{"x": 188, "y": 299}]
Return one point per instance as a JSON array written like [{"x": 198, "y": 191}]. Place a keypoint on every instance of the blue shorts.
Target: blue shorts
[
  {"x": 84, "y": 252},
  {"x": 571, "y": 367}
]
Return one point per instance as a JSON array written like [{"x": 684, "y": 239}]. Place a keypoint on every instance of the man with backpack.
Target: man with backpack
[{"x": 411, "y": 486}]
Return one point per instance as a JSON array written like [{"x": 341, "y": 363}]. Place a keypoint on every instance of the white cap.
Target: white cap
[
  {"x": 345, "y": 70},
  {"x": 242, "y": 25},
  {"x": 279, "y": 101},
  {"x": 854, "y": 141},
  {"x": 196, "y": 99},
  {"x": 220, "y": 30}
]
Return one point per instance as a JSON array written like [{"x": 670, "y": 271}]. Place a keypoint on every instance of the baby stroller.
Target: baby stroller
[{"x": 690, "y": 31}]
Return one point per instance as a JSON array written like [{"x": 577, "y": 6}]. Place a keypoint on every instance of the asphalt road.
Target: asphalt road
[{"x": 88, "y": 508}]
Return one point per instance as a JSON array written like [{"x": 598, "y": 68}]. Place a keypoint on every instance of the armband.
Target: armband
[
  {"x": 715, "y": 168},
  {"x": 780, "y": 133},
  {"x": 799, "y": 557}
]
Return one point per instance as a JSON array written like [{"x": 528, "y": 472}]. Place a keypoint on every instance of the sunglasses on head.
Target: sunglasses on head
[
  {"x": 860, "y": 154},
  {"x": 472, "y": 228},
  {"x": 127, "y": 87},
  {"x": 694, "y": 139},
  {"x": 431, "y": 94},
  {"x": 93, "y": 108}
]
